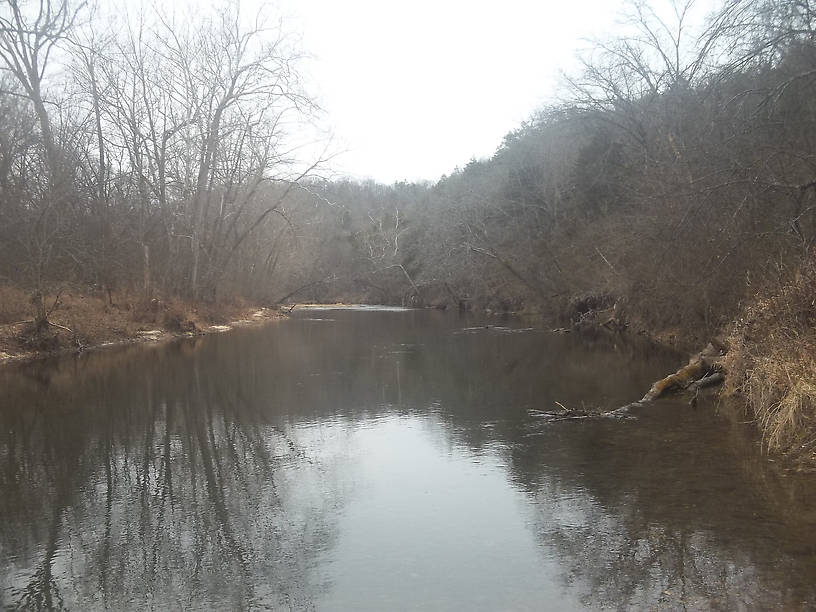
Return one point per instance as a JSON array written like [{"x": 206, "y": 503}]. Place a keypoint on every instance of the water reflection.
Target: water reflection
[
  {"x": 383, "y": 460},
  {"x": 672, "y": 520},
  {"x": 153, "y": 483}
]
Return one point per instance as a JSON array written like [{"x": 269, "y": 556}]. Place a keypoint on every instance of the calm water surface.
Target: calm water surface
[{"x": 385, "y": 460}]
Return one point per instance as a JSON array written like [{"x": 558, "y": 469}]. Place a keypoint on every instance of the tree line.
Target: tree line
[
  {"x": 139, "y": 152},
  {"x": 153, "y": 155}
]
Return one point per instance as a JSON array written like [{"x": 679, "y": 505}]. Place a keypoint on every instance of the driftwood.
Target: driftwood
[
  {"x": 58, "y": 326},
  {"x": 46, "y": 322},
  {"x": 703, "y": 370}
]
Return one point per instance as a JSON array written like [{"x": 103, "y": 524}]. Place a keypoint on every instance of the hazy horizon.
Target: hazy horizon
[{"x": 410, "y": 92}]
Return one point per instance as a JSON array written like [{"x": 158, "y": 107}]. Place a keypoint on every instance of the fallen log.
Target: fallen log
[
  {"x": 701, "y": 365},
  {"x": 703, "y": 370}
]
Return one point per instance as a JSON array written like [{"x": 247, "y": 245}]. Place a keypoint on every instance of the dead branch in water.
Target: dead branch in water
[{"x": 567, "y": 414}]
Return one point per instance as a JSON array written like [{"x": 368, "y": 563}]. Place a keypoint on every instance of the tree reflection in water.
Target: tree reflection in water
[
  {"x": 632, "y": 529},
  {"x": 146, "y": 486}
]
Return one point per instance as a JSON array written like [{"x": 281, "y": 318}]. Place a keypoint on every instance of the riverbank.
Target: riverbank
[{"x": 82, "y": 321}]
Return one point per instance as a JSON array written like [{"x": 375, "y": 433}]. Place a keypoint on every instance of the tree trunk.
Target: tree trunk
[
  {"x": 40, "y": 314},
  {"x": 148, "y": 290}
]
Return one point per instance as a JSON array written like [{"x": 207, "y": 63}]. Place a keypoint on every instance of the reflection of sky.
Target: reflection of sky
[
  {"x": 428, "y": 527},
  {"x": 431, "y": 523}
]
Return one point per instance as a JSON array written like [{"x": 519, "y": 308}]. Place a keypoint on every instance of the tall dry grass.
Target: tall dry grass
[{"x": 772, "y": 362}]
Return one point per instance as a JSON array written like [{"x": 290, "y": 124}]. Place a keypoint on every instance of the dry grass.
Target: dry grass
[
  {"x": 772, "y": 362},
  {"x": 86, "y": 319}
]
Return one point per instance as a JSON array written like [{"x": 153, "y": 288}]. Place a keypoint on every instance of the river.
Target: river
[{"x": 386, "y": 460}]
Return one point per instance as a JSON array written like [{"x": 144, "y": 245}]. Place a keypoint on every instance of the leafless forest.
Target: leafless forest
[{"x": 672, "y": 189}]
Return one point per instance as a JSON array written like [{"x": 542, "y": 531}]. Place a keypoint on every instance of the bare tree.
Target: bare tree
[{"x": 28, "y": 40}]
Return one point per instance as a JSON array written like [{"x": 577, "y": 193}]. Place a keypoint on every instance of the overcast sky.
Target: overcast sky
[{"x": 413, "y": 89}]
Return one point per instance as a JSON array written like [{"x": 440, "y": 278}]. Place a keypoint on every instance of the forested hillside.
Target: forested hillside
[
  {"x": 673, "y": 188},
  {"x": 677, "y": 183}
]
